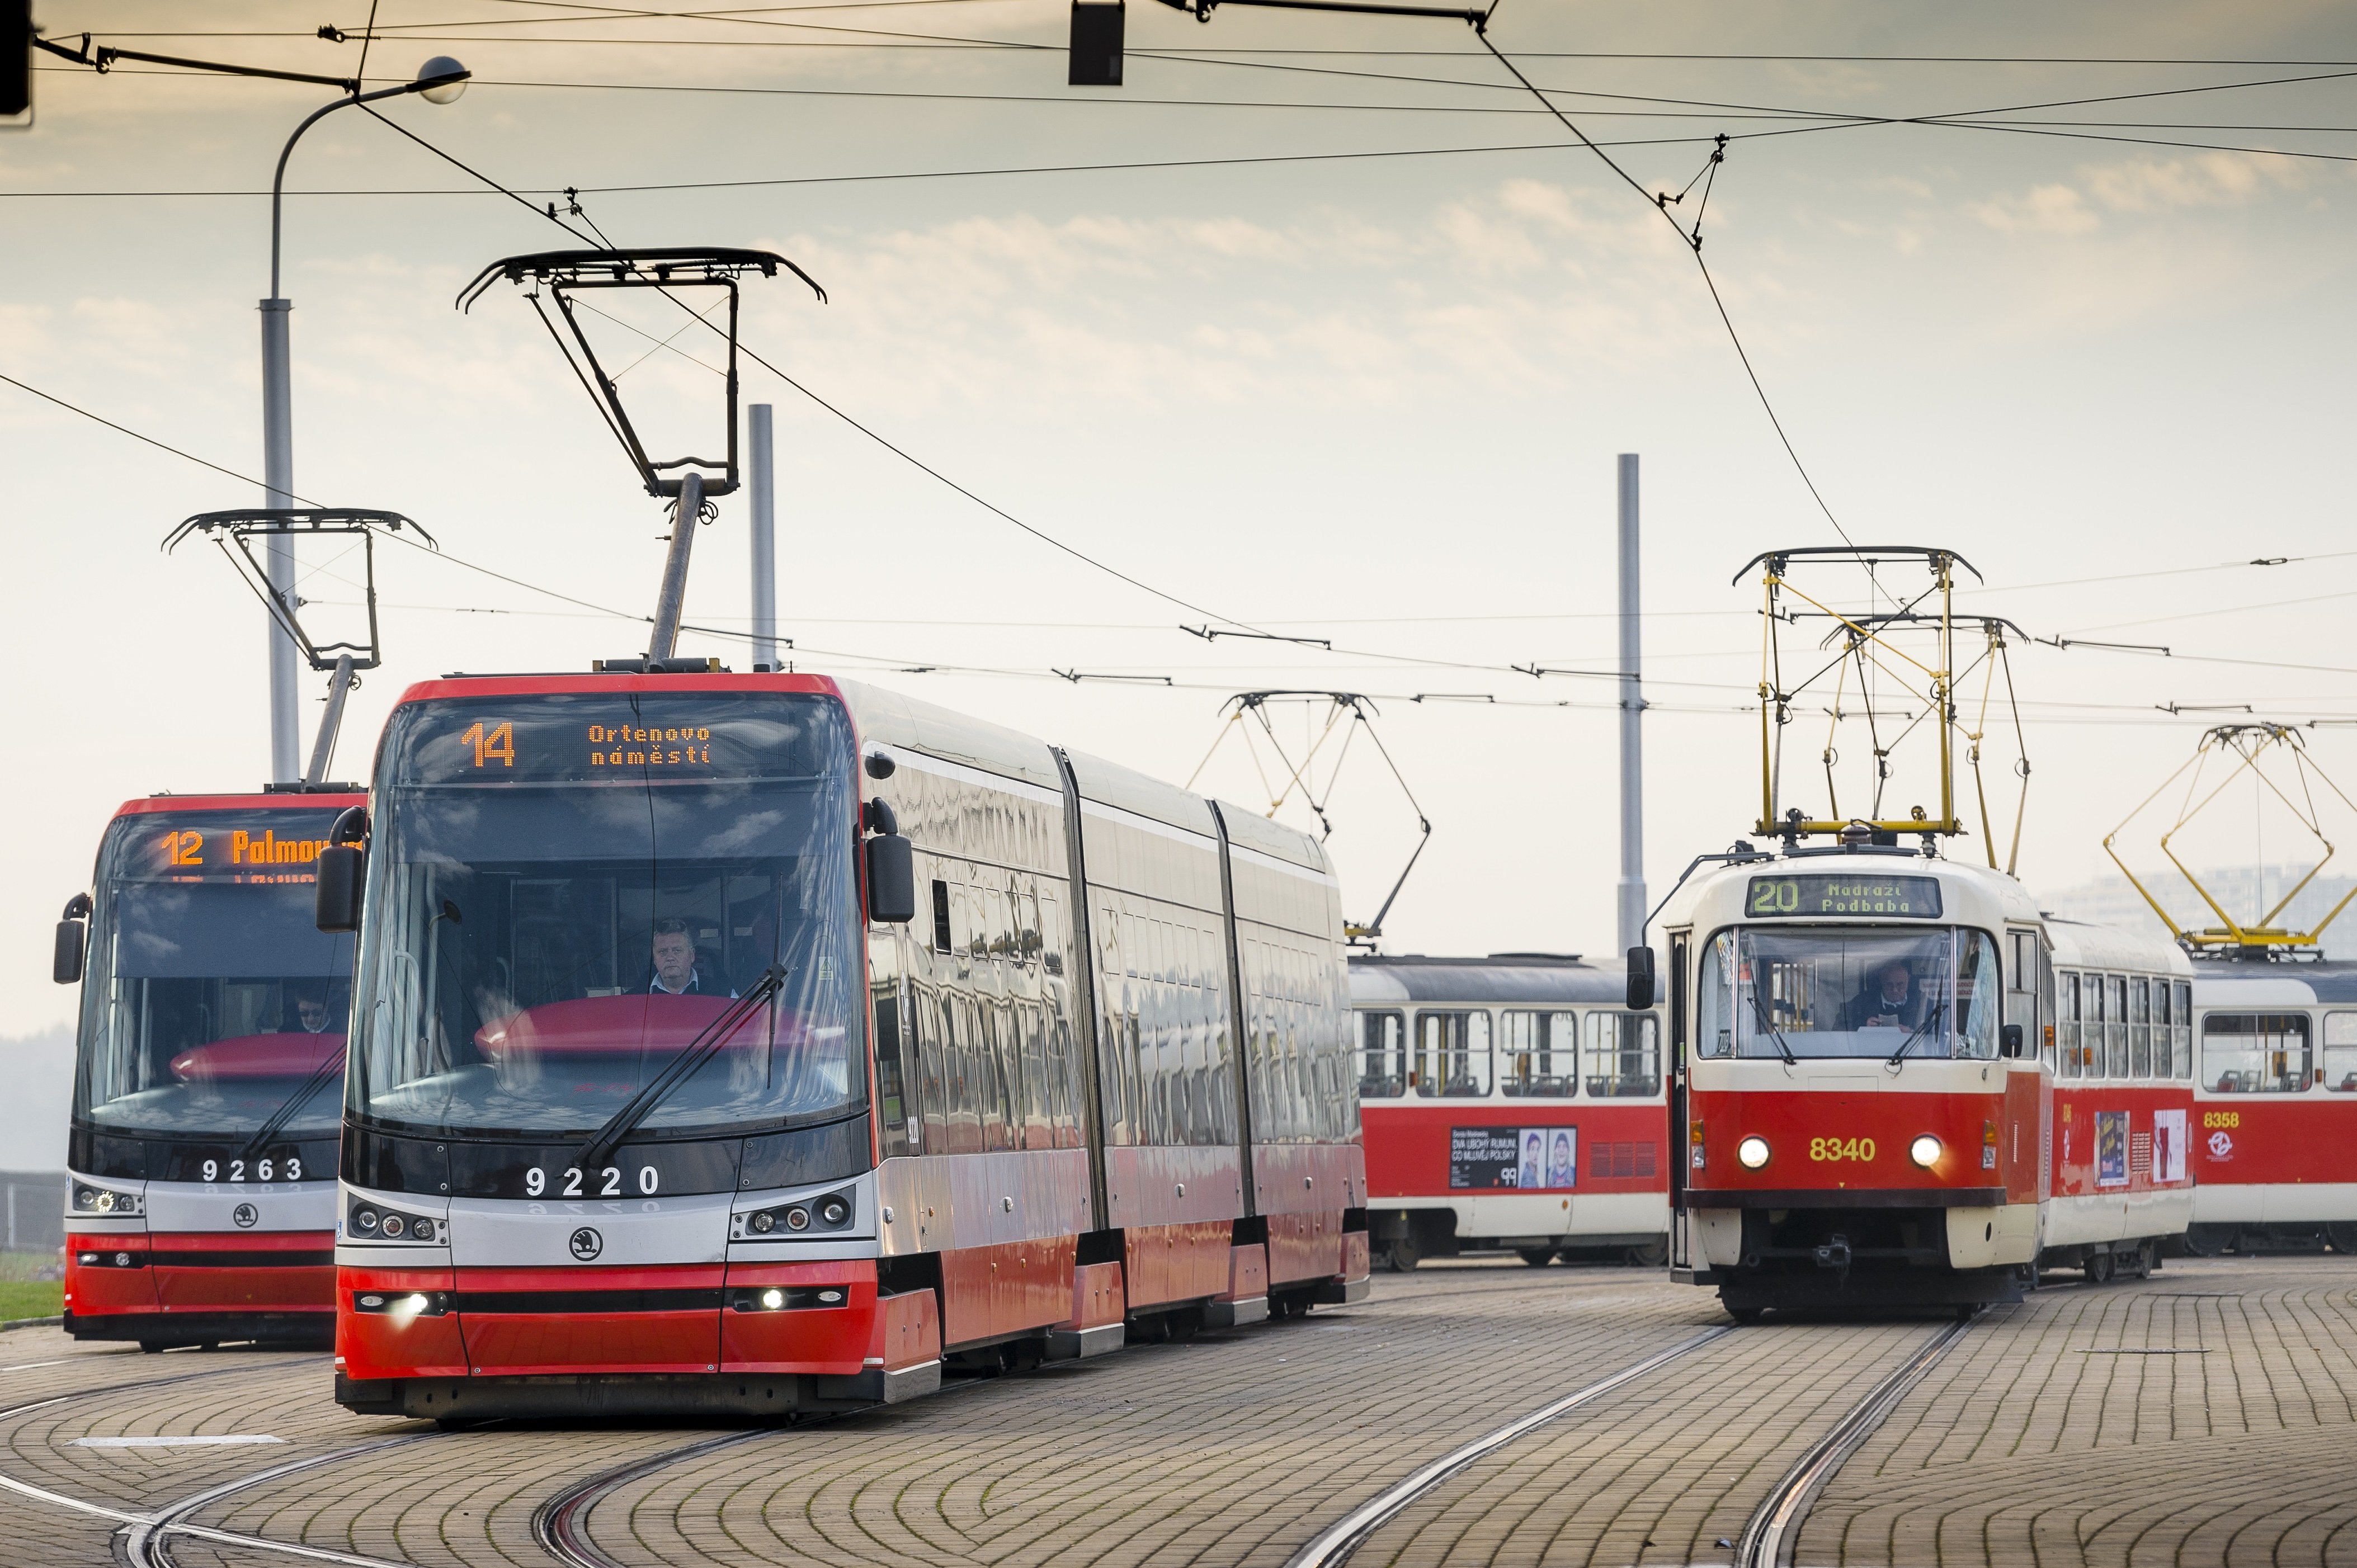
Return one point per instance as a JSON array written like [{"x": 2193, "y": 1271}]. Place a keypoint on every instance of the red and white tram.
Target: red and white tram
[
  {"x": 203, "y": 1147},
  {"x": 1510, "y": 1102},
  {"x": 2274, "y": 1102},
  {"x": 1867, "y": 1122},
  {"x": 659, "y": 1099}
]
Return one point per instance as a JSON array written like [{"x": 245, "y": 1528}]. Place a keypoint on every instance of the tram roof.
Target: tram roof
[
  {"x": 1506, "y": 979},
  {"x": 2226, "y": 983}
]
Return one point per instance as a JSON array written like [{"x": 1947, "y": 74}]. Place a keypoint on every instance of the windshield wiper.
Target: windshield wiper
[
  {"x": 1759, "y": 1010},
  {"x": 682, "y": 1067},
  {"x": 331, "y": 1068},
  {"x": 1929, "y": 1019}
]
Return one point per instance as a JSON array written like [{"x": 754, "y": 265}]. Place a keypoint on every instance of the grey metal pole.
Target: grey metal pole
[
  {"x": 763, "y": 475},
  {"x": 675, "y": 577},
  {"x": 1632, "y": 711},
  {"x": 278, "y": 480}
]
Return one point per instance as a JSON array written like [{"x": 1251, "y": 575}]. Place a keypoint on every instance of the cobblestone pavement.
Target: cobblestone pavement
[
  {"x": 2206, "y": 1416},
  {"x": 1238, "y": 1447}
]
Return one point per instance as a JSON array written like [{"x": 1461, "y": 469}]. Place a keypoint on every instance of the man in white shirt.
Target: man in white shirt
[{"x": 676, "y": 973}]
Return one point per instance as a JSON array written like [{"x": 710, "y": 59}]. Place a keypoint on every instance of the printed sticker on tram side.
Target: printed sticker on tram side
[{"x": 1513, "y": 1158}]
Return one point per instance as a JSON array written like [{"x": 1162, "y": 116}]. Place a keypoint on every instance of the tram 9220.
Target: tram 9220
[
  {"x": 761, "y": 1043},
  {"x": 1510, "y": 1102},
  {"x": 202, "y": 1204}
]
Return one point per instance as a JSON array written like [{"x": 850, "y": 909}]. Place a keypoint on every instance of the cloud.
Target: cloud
[
  {"x": 2215, "y": 180},
  {"x": 2047, "y": 210}
]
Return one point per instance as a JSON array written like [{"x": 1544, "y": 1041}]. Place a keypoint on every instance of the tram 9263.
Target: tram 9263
[
  {"x": 1869, "y": 1103},
  {"x": 201, "y": 1152},
  {"x": 1512, "y": 1102},
  {"x": 762, "y": 1043}
]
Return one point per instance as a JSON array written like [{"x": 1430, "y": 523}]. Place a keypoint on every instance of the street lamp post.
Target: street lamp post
[{"x": 439, "y": 81}]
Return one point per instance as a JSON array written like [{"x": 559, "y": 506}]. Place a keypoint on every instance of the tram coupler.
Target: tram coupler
[{"x": 1834, "y": 1254}]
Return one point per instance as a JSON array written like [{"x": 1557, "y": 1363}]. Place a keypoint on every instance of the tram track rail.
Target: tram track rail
[
  {"x": 1774, "y": 1527},
  {"x": 1334, "y": 1545},
  {"x": 144, "y": 1534}
]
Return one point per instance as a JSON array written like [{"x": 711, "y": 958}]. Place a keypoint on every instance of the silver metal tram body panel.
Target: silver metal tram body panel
[
  {"x": 229, "y": 1207},
  {"x": 942, "y": 1202},
  {"x": 631, "y": 1233}
]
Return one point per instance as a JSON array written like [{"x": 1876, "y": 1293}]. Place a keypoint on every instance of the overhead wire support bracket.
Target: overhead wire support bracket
[
  {"x": 566, "y": 274},
  {"x": 1202, "y": 9},
  {"x": 101, "y": 60},
  {"x": 1212, "y": 634},
  {"x": 1077, "y": 676}
]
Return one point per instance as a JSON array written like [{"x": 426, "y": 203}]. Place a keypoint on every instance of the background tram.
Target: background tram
[
  {"x": 201, "y": 1154},
  {"x": 1510, "y": 1102},
  {"x": 763, "y": 1043},
  {"x": 2274, "y": 1102}
]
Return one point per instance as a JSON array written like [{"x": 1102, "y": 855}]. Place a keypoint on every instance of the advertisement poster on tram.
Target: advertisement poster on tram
[
  {"x": 1512, "y": 1158},
  {"x": 2111, "y": 1148},
  {"x": 2168, "y": 1146}
]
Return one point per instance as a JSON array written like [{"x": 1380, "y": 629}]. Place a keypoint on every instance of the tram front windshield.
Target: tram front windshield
[
  {"x": 1860, "y": 990},
  {"x": 212, "y": 1006},
  {"x": 572, "y": 892}
]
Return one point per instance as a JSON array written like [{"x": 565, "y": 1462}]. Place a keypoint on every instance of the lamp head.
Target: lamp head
[{"x": 447, "y": 77}]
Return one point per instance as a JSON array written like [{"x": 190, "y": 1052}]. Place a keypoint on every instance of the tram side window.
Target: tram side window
[
  {"x": 2181, "y": 1028},
  {"x": 2340, "y": 1063},
  {"x": 2140, "y": 1026},
  {"x": 1452, "y": 1055},
  {"x": 2254, "y": 1053},
  {"x": 1624, "y": 1055},
  {"x": 1382, "y": 1056},
  {"x": 2066, "y": 1023},
  {"x": 1538, "y": 1055},
  {"x": 2115, "y": 1025}
]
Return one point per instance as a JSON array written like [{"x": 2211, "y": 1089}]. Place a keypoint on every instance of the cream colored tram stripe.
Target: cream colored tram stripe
[
  {"x": 1334, "y": 1544},
  {"x": 1763, "y": 1543}
]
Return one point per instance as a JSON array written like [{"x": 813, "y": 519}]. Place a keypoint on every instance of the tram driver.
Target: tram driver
[
  {"x": 677, "y": 972},
  {"x": 1888, "y": 1000}
]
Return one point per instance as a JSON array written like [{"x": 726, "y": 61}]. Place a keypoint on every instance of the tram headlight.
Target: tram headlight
[
  {"x": 1752, "y": 1152},
  {"x": 88, "y": 1199},
  {"x": 773, "y": 1298},
  {"x": 797, "y": 1217},
  {"x": 834, "y": 1210},
  {"x": 807, "y": 1215},
  {"x": 1924, "y": 1151}
]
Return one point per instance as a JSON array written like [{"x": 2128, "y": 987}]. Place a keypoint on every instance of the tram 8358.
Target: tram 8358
[
  {"x": 202, "y": 1148},
  {"x": 761, "y": 1042}
]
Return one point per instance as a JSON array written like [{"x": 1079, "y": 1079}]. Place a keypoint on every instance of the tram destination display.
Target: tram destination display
[
  {"x": 1508, "y": 1159},
  {"x": 1805, "y": 895}
]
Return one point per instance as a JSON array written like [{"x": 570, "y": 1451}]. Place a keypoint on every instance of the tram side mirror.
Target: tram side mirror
[
  {"x": 1641, "y": 979},
  {"x": 342, "y": 868},
  {"x": 73, "y": 938},
  {"x": 892, "y": 879},
  {"x": 2008, "y": 1041}
]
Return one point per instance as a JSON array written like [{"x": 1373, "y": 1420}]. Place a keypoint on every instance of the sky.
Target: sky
[{"x": 1369, "y": 401}]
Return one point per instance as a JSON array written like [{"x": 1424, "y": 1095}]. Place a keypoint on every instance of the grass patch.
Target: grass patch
[{"x": 31, "y": 1298}]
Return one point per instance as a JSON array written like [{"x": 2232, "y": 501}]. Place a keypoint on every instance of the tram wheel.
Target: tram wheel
[
  {"x": 2211, "y": 1240},
  {"x": 153, "y": 1347},
  {"x": 2343, "y": 1234},
  {"x": 1747, "y": 1313},
  {"x": 1651, "y": 1255},
  {"x": 1403, "y": 1254},
  {"x": 2099, "y": 1266},
  {"x": 1536, "y": 1257}
]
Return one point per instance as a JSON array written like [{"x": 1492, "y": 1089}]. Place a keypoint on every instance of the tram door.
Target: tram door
[{"x": 1674, "y": 1143}]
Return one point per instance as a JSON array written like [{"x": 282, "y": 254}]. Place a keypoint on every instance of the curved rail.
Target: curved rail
[
  {"x": 1334, "y": 1544},
  {"x": 1777, "y": 1520},
  {"x": 557, "y": 1525}
]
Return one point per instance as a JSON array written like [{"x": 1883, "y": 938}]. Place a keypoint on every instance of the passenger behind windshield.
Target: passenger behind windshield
[{"x": 1863, "y": 992}]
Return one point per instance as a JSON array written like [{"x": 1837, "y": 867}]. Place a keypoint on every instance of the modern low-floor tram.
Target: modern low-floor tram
[
  {"x": 1509, "y": 1102},
  {"x": 201, "y": 1151},
  {"x": 765, "y": 1043}
]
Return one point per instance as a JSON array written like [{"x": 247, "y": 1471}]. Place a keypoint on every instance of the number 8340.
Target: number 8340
[{"x": 573, "y": 1182}]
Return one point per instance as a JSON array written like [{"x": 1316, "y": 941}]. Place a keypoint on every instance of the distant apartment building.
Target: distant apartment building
[{"x": 2246, "y": 892}]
